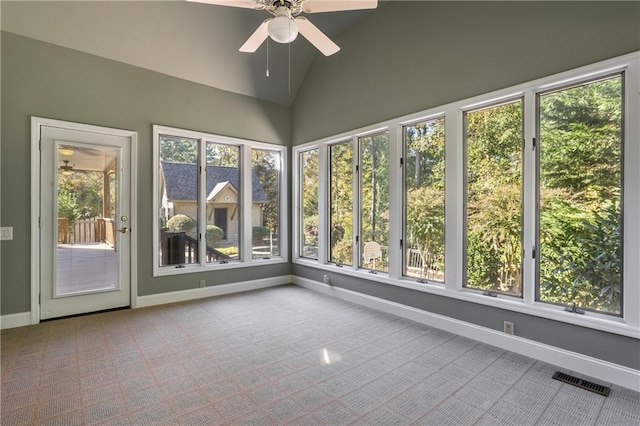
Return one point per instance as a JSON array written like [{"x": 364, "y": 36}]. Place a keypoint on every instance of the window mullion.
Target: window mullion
[
  {"x": 529, "y": 214},
  {"x": 396, "y": 209},
  {"x": 631, "y": 195},
  {"x": 202, "y": 201},
  {"x": 454, "y": 199},
  {"x": 246, "y": 246},
  {"x": 357, "y": 205},
  {"x": 324, "y": 204}
]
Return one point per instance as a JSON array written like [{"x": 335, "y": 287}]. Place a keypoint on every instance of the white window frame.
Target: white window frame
[
  {"x": 245, "y": 215},
  {"x": 628, "y": 325}
]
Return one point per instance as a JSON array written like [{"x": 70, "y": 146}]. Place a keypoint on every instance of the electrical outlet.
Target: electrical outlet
[
  {"x": 326, "y": 279},
  {"x": 203, "y": 283},
  {"x": 508, "y": 327}
]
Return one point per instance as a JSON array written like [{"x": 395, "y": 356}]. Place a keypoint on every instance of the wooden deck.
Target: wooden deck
[{"x": 85, "y": 267}]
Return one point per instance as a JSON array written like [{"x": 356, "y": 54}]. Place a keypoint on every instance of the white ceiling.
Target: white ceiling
[{"x": 196, "y": 42}]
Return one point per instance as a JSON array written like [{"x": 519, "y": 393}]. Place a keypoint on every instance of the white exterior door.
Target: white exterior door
[{"x": 85, "y": 224}]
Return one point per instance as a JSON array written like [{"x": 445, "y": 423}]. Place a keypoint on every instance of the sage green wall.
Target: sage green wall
[
  {"x": 412, "y": 55},
  {"x": 41, "y": 79}
]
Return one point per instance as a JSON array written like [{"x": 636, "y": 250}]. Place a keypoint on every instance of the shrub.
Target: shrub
[
  {"x": 181, "y": 222},
  {"x": 214, "y": 234},
  {"x": 260, "y": 233}
]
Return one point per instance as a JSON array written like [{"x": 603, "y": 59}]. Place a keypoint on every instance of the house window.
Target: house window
[
  {"x": 580, "y": 196},
  {"x": 223, "y": 201},
  {"x": 341, "y": 203},
  {"x": 373, "y": 176},
  {"x": 424, "y": 183},
  {"x": 494, "y": 138},
  {"x": 219, "y": 202},
  {"x": 308, "y": 162},
  {"x": 265, "y": 210}
]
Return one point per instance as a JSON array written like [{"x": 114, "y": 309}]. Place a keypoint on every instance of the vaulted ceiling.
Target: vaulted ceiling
[{"x": 196, "y": 42}]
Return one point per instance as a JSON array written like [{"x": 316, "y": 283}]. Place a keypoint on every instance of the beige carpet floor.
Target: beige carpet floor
[{"x": 283, "y": 355}]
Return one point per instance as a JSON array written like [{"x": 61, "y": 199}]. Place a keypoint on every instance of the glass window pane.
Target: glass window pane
[
  {"x": 494, "y": 192},
  {"x": 424, "y": 200},
  {"x": 223, "y": 202},
  {"x": 309, "y": 204},
  {"x": 341, "y": 199},
  {"x": 374, "y": 202},
  {"x": 265, "y": 208},
  {"x": 580, "y": 196},
  {"x": 178, "y": 209}
]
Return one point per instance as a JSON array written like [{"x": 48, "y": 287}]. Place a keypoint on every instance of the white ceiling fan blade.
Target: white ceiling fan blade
[
  {"x": 257, "y": 38},
  {"x": 317, "y": 6},
  {"x": 246, "y": 4},
  {"x": 316, "y": 37}
]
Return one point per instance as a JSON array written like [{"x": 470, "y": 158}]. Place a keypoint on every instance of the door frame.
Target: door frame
[{"x": 36, "y": 124}]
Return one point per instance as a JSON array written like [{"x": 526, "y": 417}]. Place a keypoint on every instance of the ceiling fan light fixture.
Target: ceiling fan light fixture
[
  {"x": 65, "y": 150},
  {"x": 283, "y": 29}
]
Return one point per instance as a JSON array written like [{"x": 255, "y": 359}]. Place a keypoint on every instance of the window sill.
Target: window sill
[
  {"x": 195, "y": 268},
  {"x": 591, "y": 320}
]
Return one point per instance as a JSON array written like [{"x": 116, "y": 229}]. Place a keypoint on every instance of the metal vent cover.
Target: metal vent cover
[{"x": 584, "y": 384}]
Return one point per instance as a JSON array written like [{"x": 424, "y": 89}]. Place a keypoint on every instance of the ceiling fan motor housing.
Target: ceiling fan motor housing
[{"x": 282, "y": 28}]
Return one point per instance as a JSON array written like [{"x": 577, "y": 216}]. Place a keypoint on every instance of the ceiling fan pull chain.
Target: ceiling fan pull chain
[{"x": 267, "y": 57}]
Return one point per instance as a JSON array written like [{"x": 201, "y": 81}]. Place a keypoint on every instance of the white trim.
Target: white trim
[
  {"x": 15, "y": 320},
  {"x": 216, "y": 290},
  {"x": 599, "y": 369},
  {"x": 36, "y": 124},
  {"x": 592, "y": 320}
]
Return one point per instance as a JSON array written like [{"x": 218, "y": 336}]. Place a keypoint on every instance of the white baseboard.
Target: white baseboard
[
  {"x": 15, "y": 320},
  {"x": 593, "y": 367},
  {"x": 216, "y": 290}
]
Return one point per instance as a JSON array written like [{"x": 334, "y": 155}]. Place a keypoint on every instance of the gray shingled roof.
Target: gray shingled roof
[{"x": 180, "y": 181}]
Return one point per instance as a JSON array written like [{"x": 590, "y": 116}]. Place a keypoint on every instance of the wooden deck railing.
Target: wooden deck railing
[{"x": 93, "y": 230}]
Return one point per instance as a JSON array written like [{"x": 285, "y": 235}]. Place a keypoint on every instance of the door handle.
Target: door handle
[{"x": 123, "y": 230}]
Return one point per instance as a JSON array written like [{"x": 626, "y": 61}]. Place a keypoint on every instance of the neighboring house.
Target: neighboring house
[{"x": 178, "y": 183}]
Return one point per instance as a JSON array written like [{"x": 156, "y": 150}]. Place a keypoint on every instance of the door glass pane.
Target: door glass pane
[
  {"x": 87, "y": 182},
  {"x": 494, "y": 198},
  {"x": 178, "y": 197},
  {"x": 265, "y": 208},
  {"x": 223, "y": 202},
  {"x": 424, "y": 200},
  {"x": 580, "y": 196},
  {"x": 374, "y": 202},
  {"x": 341, "y": 198}
]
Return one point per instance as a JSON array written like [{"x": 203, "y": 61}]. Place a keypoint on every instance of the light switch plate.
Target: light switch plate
[{"x": 6, "y": 233}]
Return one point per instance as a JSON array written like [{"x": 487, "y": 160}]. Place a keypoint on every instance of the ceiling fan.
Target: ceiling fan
[
  {"x": 285, "y": 24},
  {"x": 66, "y": 169}
]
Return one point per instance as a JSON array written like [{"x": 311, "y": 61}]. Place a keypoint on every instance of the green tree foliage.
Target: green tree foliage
[
  {"x": 374, "y": 192},
  {"x": 580, "y": 196},
  {"x": 259, "y": 233},
  {"x": 494, "y": 188},
  {"x": 80, "y": 195},
  {"x": 309, "y": 193},
  {"x": 424, "y": 186},
  {"x": 181, "y": 222},
  {"x": 178, "y": 150},
  {"x": 214, "y": 234},
  {"x": 266, "y": 166},
  {"x": 341, "y": 199}
]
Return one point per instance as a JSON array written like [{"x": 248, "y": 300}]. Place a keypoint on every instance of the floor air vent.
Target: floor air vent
[{"x": 584, "y": 384}]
